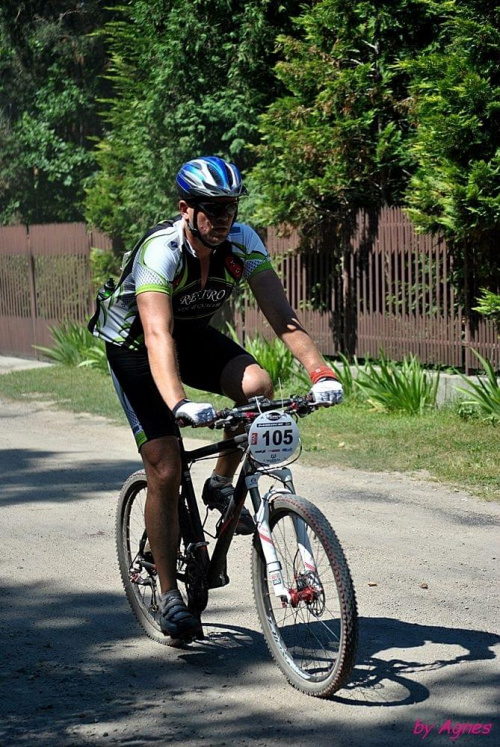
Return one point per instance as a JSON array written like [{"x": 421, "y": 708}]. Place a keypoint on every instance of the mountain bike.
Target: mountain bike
[{"x": 302, "y": 586}]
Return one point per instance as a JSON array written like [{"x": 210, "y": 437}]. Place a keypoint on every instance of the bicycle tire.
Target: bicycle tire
[
  {"x": 314, "y": 642},
  {"x": 141, "y": 585},
  {"x": 130, "y": 527}
]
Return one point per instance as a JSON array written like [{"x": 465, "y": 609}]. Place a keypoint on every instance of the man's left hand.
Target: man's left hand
[
  {"x": 327, "y": 392},
  {"x": 326, "y": 388}
]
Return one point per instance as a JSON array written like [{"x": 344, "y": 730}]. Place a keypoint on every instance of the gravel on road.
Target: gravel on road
[{"x": 77, "y": 670}]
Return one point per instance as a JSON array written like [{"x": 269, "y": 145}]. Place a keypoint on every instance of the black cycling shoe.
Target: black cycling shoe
[
  {"x": 219, "y": 498},
  {"x": 175, "y": 618}
]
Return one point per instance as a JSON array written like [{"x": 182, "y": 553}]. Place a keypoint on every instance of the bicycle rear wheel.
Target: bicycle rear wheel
[
  {"x": 312, "y": 637},
  {"x": 136, "y": 563},
  {"x": 139, "y": 580}
]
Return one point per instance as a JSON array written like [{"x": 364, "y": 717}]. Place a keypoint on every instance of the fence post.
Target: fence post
[
  {"x": 346, "y": 345},
  {"x": 31, "y": 282}
]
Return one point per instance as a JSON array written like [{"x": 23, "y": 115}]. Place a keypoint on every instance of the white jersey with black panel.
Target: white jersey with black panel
[{"x": 166, "y": 263}]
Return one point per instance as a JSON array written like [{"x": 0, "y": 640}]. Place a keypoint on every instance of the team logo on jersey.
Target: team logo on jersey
[{"x": 234, "y": 266}]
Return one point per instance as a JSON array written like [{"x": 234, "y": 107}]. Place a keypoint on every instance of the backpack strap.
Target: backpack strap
[{"x": 128, "y": 260}]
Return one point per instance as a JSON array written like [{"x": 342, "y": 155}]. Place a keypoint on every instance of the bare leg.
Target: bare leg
[
  {"x": 241, "y": 379},
  {"x": 163, "y": 471}
]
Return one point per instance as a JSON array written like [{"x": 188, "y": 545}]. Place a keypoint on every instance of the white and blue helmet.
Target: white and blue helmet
[{"x": 207, "y": 177}]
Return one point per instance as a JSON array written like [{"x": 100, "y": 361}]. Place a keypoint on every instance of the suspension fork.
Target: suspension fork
[
  {"x": 261, "y": 505},
  {"x": 304, "y": 544},
  {"x": 261, "y": 508}
]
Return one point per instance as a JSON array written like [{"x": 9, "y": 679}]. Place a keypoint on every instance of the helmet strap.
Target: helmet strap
[
  {"x": 193, "y": 227},
  {"x": 194, "y": 230}
]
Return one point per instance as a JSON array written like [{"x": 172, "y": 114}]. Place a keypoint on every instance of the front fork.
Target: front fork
[{"x": 261, "y": 504}]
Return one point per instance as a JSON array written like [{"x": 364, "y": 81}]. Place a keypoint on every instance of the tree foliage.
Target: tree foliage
[
  {"x": 338, "y": 139},
  {"x": 489, "y": 305},
  {"x": 50, "y": 70},
  {"x": 455, "y": 106},
  {"x": 362, "y": 104},
  {"x": 195, "y": 84}
]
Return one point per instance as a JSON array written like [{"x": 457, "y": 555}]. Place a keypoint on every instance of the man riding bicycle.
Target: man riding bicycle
[{"x": 156, "y": 324}]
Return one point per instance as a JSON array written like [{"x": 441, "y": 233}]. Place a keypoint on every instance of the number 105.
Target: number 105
[{"x": 278, "y": 437}]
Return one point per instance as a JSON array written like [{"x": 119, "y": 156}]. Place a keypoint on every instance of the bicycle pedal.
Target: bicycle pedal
[{"x": 198, "y": 635}]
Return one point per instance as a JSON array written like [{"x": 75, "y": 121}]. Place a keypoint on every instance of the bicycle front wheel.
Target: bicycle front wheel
[{"x": 312, "y": 636}]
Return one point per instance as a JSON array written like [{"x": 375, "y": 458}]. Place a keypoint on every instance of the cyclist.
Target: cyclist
[{"x": 158, "y": 337}]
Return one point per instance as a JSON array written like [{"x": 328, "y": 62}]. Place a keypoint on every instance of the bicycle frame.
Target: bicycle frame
[
  {"x": 247, "y": 483},
  {"x": 303, "y": 590}
]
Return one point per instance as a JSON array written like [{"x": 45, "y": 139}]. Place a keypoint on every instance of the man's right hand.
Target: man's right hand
[{"x": 195, "y": 413}]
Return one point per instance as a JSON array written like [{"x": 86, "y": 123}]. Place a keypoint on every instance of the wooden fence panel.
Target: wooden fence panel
[
  {"x": 16, "y": 291},
  {"x": 485, "y": 341},
  {"x": 404, "y": 302},
  {"x": 388, "y": 290}
]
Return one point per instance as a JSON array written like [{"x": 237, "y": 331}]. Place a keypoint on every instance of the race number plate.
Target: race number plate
[{"x": 273, "y": 437}]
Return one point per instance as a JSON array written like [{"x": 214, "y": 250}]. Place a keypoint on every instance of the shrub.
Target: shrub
[
  {"x": 75, "y": 346},
  {"x": 103, "y": 264},
  {"x": 483, "y": 397},
  {"x": 394, "y": 387},
  {"x": 96, "y": 358},
  {"x": 72, "y": 342},
  {"x": 489, "y": 306}
]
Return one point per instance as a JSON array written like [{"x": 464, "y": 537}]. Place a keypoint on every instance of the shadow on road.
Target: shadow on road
[
  {"x": 378, "y": 635},
  {"x": 34, "y": 476},
  {"x": 77, "y": 663}
]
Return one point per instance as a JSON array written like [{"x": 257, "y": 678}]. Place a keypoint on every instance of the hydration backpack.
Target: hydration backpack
[{"x": 110, "y": 286}]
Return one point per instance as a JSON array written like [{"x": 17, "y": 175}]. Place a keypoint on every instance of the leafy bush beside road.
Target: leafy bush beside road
[
  {"x": 484, "y": 396},
  {"x": 391, "y": 387},
  {"x": 73, "y": 345}
]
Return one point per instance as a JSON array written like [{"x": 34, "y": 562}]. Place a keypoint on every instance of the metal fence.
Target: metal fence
[{"x": 383, "y": 287}]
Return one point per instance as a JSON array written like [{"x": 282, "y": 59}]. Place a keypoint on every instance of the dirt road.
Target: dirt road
[{"x": 76, "y": 670}]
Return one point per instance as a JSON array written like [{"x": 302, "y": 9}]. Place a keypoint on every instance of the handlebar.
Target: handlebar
[
  {"x": 234, "y": 416},
  {"x": 296, "y": 404}
]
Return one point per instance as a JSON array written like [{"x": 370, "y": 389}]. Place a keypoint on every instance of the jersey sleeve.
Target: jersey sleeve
[
  {"x": 251, "y": 250},
  {"x": 156, "y": 263}
]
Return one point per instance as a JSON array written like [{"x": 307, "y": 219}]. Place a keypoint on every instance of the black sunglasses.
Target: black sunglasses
[{"x": 217, "y": 209}]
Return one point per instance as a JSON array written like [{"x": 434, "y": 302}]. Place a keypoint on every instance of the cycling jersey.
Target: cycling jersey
[{"x": 165, "y": 262}]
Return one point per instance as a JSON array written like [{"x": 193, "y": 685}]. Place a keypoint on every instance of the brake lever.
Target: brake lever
[{"x": 184, "y": 423}]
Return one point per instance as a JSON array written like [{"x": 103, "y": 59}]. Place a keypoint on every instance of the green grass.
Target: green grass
[
  {"x": 75, "y": 389},
  {"x": 439, "y": 444}
]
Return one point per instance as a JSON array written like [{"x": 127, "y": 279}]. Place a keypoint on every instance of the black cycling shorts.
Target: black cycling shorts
[{"x": 201, "y": 357}]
